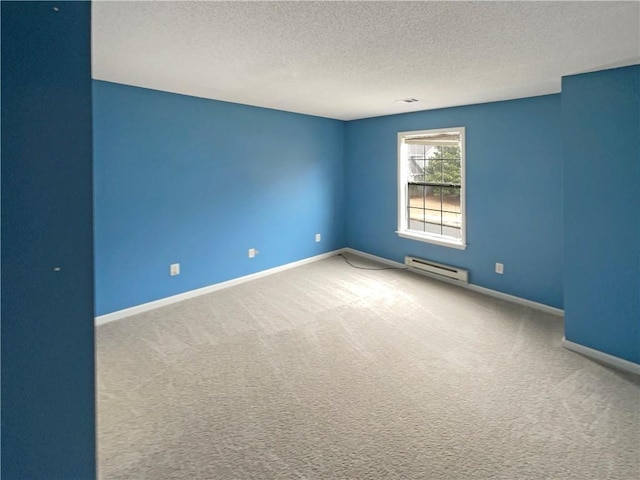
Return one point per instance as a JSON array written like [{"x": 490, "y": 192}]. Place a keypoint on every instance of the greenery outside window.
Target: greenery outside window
[{"x": 431, "y": 186}]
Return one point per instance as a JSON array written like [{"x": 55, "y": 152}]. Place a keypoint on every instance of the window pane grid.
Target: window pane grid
[
  {"x": 423, "y": 197},
  {"x": 433, "y": 186}
]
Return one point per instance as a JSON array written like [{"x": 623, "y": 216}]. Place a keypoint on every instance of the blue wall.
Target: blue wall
[
  {"x": 47, "y": 316},
  {"x": 514, "y": 193},
  {"x": 194, "y": 181},
  {"x": 601, "y": 144},
  {"x": 186, "y": 180}
]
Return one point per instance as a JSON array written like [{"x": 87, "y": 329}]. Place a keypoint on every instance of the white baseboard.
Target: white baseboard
[
  {"x": 605, "y": 358},
  {"x": 519, "y": 300},
  {"x": 575, "y": 347},
  {"x": 470, "y": 286},
  {"x": 145, "y": 307},
  {"x": 374, "y": 258}
]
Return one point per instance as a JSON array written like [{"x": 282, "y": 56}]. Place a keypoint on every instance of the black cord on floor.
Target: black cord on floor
[{"x": 368, "y": 268}]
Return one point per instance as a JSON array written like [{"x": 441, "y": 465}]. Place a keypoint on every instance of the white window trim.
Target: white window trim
[{"x": 402, "y": 231}]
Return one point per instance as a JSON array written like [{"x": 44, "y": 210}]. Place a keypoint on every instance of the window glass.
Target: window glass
[{"x": 431, "y": 186}]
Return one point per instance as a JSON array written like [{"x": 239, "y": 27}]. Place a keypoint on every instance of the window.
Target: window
[{"x": 431, "y": 186}]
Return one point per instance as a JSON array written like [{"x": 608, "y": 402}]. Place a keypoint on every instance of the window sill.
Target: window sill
[{"x": 433, "y": 239}]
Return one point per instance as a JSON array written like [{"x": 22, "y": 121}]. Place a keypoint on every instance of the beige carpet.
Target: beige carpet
[{"x": 328, "y": 372}]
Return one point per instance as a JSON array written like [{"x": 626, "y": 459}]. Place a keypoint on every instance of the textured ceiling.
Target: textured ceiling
[{"x": 353, "y": 59}]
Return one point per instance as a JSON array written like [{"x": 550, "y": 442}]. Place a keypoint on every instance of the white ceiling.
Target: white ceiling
[{"x": 353, "y": 59}]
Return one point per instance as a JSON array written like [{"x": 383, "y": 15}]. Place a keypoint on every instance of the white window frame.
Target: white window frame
[{"x": 403, "y": 230}]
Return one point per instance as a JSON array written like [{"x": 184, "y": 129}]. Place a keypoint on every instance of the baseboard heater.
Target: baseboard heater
[{"x": 437, "y": 269}]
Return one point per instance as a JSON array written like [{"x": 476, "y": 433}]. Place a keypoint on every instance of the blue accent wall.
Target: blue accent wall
[
  {"x": 47, "y": 316},
  {"x": 187, "y": 180},
  {"x": 601, "y": 142},
  {"x": 513, "y": 198}
]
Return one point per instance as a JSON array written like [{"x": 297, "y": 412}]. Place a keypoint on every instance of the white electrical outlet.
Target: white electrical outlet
[
  {"x": 174, "y": 269},
  {"x": 318, "y": 237},
  {"x": 252, "y": 252},
  {"x": 499, "y": 268}
]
